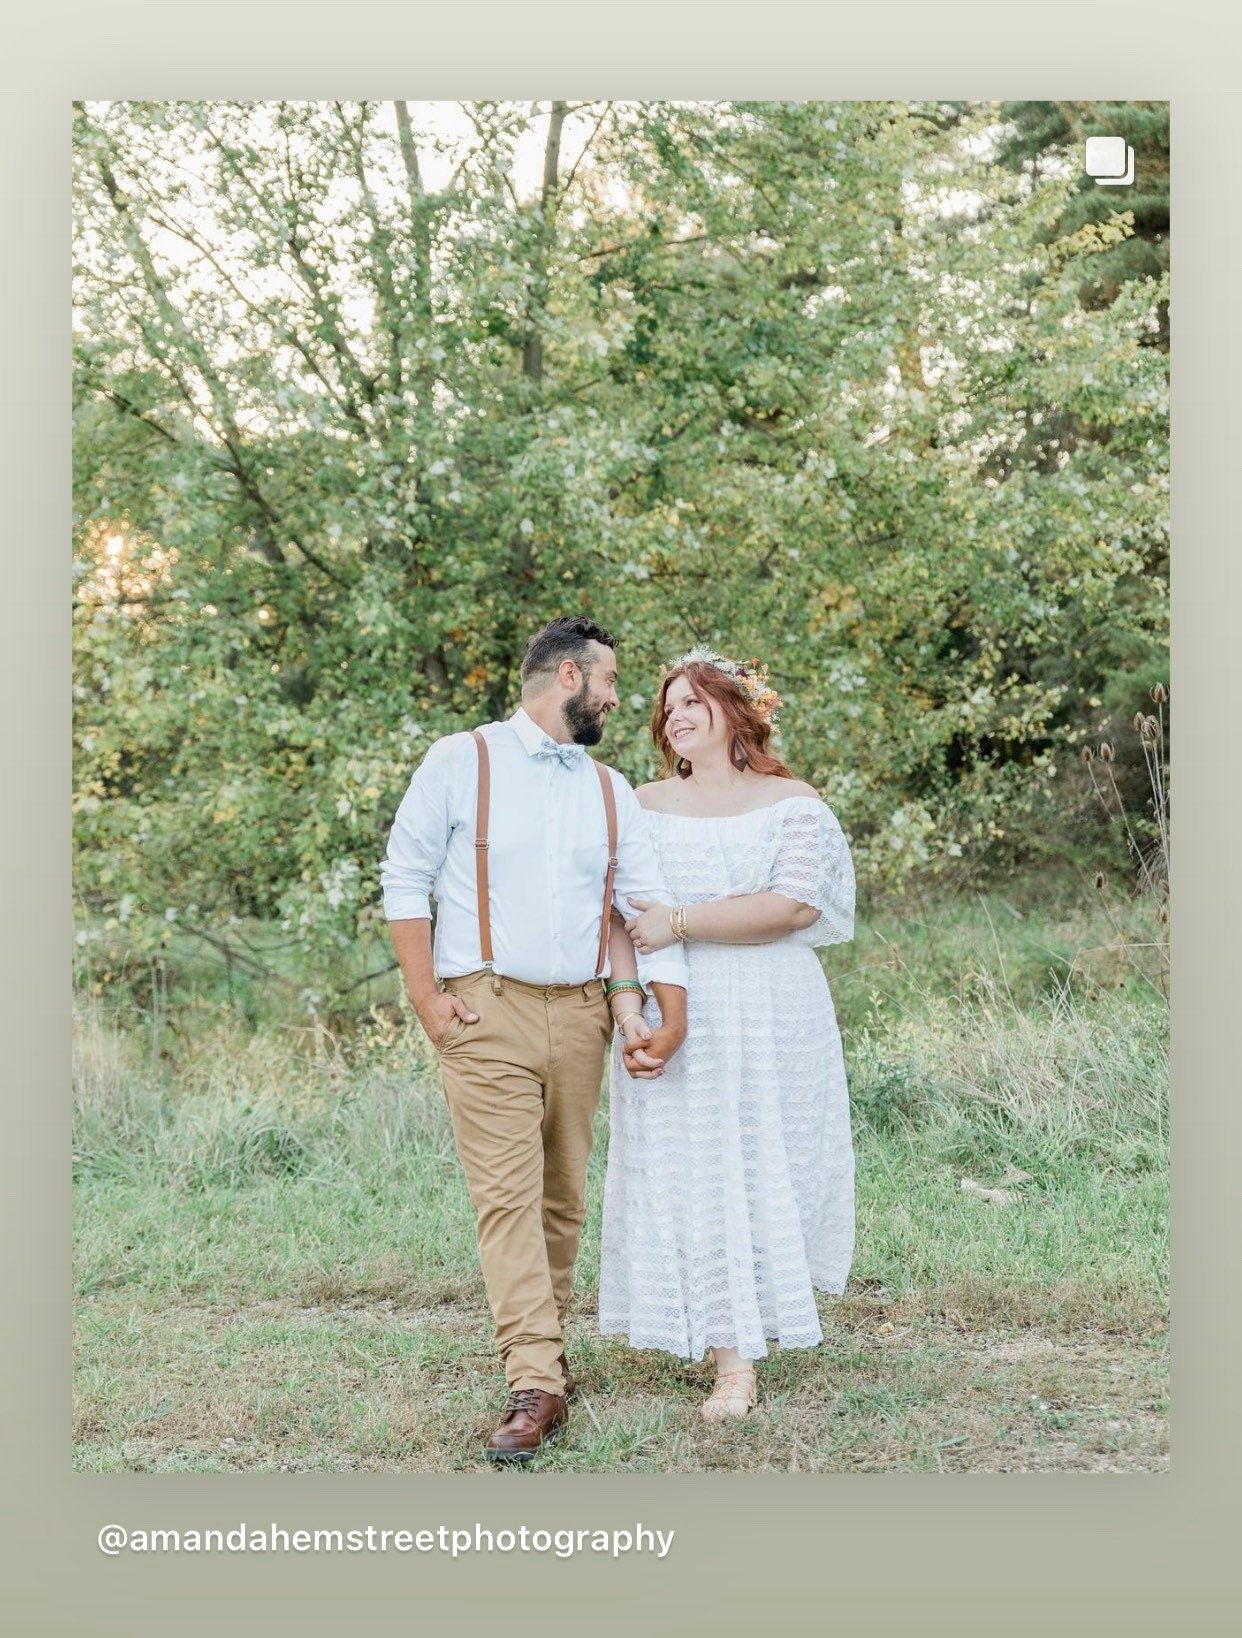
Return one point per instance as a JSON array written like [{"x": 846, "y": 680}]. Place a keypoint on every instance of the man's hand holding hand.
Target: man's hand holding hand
[
  {"x": 645, "y": 1061},
  {"x": 648, "y": 1061},
  {"x": 636, "y": 1033}
]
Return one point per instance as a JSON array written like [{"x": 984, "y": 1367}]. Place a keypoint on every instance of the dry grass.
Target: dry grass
[{"x": 382, "y": 1388}]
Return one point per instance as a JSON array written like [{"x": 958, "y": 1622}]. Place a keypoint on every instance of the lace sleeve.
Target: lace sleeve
[{"x": 812, "y": 864}]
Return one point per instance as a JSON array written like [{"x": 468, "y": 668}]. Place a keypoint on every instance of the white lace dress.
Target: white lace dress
[{"x": 729, "y": 1196}]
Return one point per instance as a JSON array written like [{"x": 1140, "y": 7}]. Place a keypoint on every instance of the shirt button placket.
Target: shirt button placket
[{"x": 554, "y": 906}]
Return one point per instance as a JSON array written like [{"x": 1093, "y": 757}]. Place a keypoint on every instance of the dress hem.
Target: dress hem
[{"x": 718, "y": 1342}]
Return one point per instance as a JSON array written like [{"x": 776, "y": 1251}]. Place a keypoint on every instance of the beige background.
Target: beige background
[{"x": 851, "y": 1554}]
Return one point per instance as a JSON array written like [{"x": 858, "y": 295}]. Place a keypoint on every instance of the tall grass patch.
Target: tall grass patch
[{"x": 275, "y": 1260}]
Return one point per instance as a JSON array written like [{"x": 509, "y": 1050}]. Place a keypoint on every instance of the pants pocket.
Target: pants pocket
[{"x": 456, "y": 1029}]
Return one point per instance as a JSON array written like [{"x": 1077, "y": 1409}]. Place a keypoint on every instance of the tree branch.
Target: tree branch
[
  {"x": 380, "y": 972},
  {"x": 314, "y": 286},
  {"x": 573, "y": 169},
  {"x": 424, "y": 374},
  {"x": 381, "y": 253},
  {"x": 532, "y": 347},
  {"x": 288, "y": 336}
]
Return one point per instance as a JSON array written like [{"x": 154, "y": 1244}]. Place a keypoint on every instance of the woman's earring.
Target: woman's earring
[{"x": 737, "y": 754}]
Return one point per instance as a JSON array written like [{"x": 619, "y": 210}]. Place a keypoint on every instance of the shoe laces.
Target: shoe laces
[{"x": 521, "y": 1399}]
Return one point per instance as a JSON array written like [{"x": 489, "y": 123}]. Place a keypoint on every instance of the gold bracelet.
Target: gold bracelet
[
  {"x": 619, "y": 1021},
  {"x": 677, "y": 921}
]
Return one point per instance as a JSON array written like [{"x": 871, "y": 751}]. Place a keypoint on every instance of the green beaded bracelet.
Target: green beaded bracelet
[{"x": 623, "y": 984}]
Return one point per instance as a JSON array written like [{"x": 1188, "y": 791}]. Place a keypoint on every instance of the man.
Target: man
[{"x": 512, "y": 837}]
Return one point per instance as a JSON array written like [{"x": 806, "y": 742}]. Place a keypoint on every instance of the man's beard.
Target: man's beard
[{"x": 584, "y": 720}]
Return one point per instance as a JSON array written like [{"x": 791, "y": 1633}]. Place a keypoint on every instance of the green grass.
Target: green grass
[{"x": 275, "y": 1268}]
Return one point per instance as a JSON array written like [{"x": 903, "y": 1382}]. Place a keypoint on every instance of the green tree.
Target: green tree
[
  {"x": 1056, "y": 132},
  {"x": 807, "y": 381}
]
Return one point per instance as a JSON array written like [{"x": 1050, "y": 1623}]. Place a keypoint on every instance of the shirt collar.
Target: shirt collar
[{"x": 530, "y": 735}]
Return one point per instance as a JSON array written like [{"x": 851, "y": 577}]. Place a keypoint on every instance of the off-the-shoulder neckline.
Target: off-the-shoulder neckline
[{"x": 746, "y": 813}]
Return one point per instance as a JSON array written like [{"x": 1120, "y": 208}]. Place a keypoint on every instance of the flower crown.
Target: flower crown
[{"x": 752, "y": 678}]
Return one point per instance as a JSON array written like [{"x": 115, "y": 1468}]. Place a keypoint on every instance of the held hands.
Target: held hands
[
  {"x": 436, "y": 1013},
  {"x": 651, "y": 929},
  {"x": 635, "y": 1034},
  {"x": 646, "y": 1061},
  {"x": 645, "y": 1051}
]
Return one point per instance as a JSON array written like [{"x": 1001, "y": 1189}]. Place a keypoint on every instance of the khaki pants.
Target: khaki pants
[{"x": 522, "y": 1087}]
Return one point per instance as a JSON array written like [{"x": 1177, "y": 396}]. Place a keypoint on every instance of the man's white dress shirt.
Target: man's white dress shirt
[{"x": 547, "y": 858}]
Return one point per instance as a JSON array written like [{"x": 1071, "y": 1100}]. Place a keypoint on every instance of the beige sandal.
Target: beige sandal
[{"x": 734, "y": 1394}]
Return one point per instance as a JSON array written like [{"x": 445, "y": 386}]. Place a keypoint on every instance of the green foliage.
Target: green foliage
[
  {"x": 1044, "y": 133},
  {"x": 809, "y": 381}
]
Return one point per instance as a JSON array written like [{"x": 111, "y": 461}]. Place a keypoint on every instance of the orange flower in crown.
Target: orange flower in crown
[{"x": 750, "y": 676}]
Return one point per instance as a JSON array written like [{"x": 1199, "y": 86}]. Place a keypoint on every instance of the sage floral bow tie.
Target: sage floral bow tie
[{"x": 569, "y": 756}]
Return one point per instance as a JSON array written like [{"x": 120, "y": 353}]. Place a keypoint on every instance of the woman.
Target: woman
[{"x": 729, "y": 1196}]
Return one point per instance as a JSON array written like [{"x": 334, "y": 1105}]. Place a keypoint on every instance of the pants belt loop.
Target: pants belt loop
[{"x": 495, "y": 982}]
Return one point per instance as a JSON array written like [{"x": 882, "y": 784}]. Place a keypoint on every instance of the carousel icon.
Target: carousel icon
[{"x": 1110, "y": 160}]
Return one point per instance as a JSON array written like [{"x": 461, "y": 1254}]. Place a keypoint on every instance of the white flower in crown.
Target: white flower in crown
[{"x": 752, "y": 679}]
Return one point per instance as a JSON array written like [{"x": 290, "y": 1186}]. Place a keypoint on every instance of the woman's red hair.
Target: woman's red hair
[{"x": 747, "y": 729}]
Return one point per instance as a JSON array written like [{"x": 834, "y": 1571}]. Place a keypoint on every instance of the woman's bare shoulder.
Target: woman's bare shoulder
[
  {"x": 656, "y": 795},
  {"x": 796, "y": 787}
]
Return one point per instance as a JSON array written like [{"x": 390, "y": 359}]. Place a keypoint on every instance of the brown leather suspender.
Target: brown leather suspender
[
  {"x": 480, "y": 854},
  {"x": 480, "y": 849},
  {"x": 610, "y": 810}
]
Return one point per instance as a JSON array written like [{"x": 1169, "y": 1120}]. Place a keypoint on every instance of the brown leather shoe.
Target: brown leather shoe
[
  {"x": 531, "y": 1419},
  {"x": 571, "y": 1387}
]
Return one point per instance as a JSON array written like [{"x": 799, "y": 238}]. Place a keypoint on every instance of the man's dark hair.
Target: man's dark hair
[{"x": 564, "y": 639}]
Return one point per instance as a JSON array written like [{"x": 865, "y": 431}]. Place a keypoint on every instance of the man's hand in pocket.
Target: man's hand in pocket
[{"x": 436, "y": 1013}]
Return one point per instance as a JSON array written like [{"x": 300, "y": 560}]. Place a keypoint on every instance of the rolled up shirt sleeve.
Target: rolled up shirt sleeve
[
  {"x": 419, "y": 838},
  {"x": 638, "y": 876}
]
